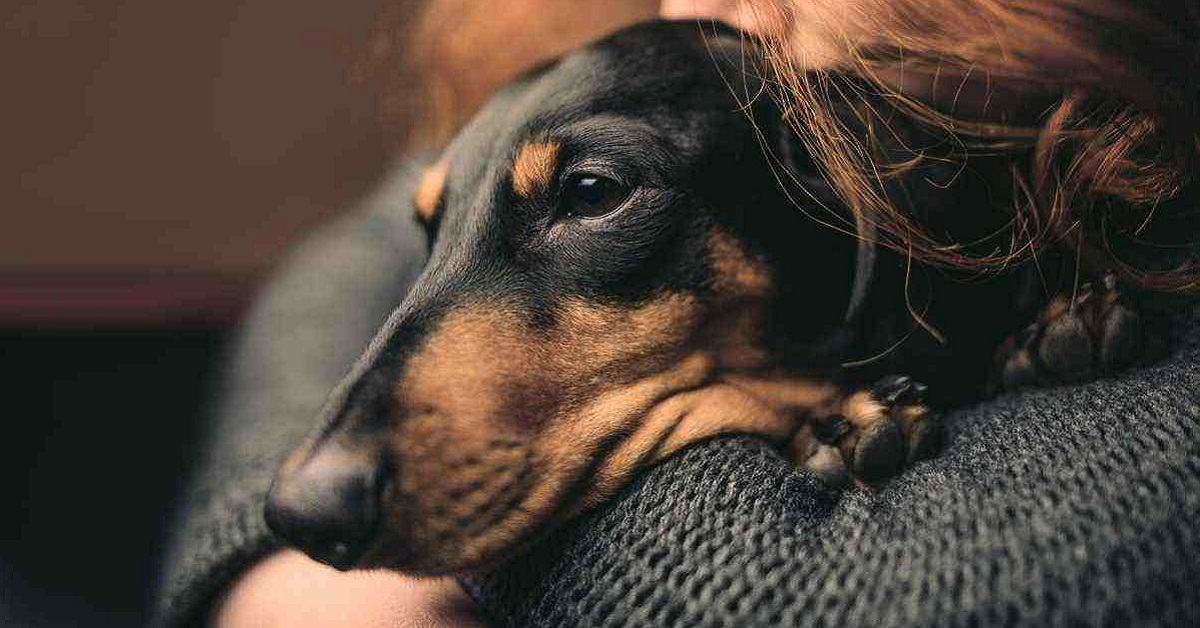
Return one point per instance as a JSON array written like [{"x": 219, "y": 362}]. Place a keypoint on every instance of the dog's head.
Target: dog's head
[{"x": 607, "y": 238}]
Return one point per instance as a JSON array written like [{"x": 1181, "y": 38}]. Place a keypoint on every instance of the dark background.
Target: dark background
[
  {"x": 158, "y": 159},
  {"x": 99, "y": 434}
]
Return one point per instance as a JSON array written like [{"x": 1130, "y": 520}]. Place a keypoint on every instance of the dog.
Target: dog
[{"x": 630, "y": 253}]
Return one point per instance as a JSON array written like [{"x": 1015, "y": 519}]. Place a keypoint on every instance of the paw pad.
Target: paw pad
[
  {"x": 1074, "y": 339},
  {"x": 876, "y": 434}
]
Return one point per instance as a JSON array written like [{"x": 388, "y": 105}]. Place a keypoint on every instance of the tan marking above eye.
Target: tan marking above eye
[
  {"x": 429, "y": 191},
  {"x": 533, "y": 167}
]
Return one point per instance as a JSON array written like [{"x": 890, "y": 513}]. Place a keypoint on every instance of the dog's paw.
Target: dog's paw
[
  {"x": 1074, "y": 339},
  {"x": 872, "y": 435}
]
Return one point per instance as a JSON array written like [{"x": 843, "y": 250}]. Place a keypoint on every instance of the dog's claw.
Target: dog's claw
[{"x": 895, "y": 389}]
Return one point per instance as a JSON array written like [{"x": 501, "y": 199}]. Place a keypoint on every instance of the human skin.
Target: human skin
[
  {"x": 818, "y": 35},
  {"x": 290, "y": 589},
  {"x": 815, "y": 25}
]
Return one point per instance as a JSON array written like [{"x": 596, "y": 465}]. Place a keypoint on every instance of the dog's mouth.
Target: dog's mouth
[{"x": 462, "y": 521}]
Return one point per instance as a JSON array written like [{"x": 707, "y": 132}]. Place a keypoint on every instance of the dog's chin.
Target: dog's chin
[
  {"x": 433, "y": 566},
  {"x": 436, "y": 562},
  {"x": 457, "y": 556}
]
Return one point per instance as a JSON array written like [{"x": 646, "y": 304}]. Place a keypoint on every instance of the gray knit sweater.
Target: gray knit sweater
[{"x": 1073, "y": 505}]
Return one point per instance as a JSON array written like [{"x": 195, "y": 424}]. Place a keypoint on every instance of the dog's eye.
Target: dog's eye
[{"x": 592, "y": 196}]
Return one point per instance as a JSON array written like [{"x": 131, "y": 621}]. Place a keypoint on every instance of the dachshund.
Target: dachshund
[{"x": 629, "y": 252}]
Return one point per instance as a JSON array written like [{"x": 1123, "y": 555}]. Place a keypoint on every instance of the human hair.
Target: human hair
[{"x": 1098, "y": 119}]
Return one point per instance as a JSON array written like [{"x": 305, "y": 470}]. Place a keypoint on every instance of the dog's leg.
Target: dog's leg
[
  {"x": 869, "y": 436},
  {"x": 1076, "y": 338}
]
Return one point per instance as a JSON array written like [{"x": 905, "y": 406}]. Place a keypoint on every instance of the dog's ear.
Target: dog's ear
[
  {"x": 799, "y": 172},
  {"x": 739, "y": 60}
]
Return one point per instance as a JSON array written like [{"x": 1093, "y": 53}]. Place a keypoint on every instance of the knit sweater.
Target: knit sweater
[{"x": 1072, "y": 505}]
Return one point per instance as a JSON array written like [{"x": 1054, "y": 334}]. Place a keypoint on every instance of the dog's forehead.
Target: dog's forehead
[{"x": 653, "y": 67}]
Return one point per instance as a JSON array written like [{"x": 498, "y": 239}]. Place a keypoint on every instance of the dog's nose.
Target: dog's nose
[{"x": 329, "y": 504}]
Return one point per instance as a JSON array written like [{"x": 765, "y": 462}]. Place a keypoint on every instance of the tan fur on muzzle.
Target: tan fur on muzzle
[{"x": 502, "y": 427}]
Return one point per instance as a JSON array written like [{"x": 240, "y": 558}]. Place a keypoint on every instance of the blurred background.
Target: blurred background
[{"x": 158, "y": 159}]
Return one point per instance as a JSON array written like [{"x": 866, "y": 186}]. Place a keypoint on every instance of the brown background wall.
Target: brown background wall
[{"x": 158, "y": 156}]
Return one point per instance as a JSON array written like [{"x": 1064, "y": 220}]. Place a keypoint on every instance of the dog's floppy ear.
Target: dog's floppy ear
[
  {"x": 802, "y": 172},
  {"x": 743, "y": 69}
]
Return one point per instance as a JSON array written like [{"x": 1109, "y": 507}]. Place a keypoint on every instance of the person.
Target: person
[{"x": 1096, "y": 102}]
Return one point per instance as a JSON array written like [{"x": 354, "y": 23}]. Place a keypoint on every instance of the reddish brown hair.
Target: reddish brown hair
[{"x": 1098, "y": 117}]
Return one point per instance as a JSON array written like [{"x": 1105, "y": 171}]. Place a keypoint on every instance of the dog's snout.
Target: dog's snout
[{"x": 329, "y": 504}]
